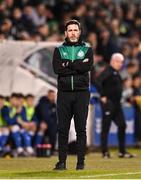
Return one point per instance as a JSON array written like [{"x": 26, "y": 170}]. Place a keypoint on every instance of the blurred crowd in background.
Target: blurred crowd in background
[
  {"x": 24, "y": 126},
  {"x": 109, "y": 26}
]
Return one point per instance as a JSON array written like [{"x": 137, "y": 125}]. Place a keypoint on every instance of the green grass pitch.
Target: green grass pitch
[{"x": 96, "y": 167}]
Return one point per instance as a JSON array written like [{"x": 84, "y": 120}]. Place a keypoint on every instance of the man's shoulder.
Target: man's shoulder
[
  {"x": 5, "y": 107},
  {"x": 63, "y": 44},
  {"x": 87, "y": 47},
  {"x": 60, "y": 47},
  {"x": 86, "y": 44},
  {"x": 106, "y": 72}
]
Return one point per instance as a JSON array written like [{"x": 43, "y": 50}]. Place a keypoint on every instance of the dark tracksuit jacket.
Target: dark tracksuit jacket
[
  {"x": 46, "y": 112},
  {"x": 72, "y": 62},
  {"x": 109, "y": 84}
]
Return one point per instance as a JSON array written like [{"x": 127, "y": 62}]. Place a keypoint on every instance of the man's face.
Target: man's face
[
  {"x": 52, "y": 97},
  {"x": 14, "y": 101},
  {"x": 73, "y": 33},
  {"x": 30, "y": 101},
  {"x": 117, "y": 64}
]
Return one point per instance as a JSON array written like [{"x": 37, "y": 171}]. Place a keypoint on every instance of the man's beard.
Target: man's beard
[{"x": 73, "y": 40}]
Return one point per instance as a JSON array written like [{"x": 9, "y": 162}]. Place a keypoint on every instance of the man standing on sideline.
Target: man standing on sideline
[
  {"x": 109, "y": 85},
  {"x": 72, "y": 61}
]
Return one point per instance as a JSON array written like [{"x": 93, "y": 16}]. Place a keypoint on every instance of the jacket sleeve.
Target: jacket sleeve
[
  {"x": 101, "y": 79},
  {"x": 6, "y": 116},
  {"x": 22, "y": 114},
  {"x": 58, "y": 67},
  {"x": 85, "y": 65}
]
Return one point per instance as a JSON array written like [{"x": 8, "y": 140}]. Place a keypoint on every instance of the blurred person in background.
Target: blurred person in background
[
  {"x": 27, "y": 19},
  {"x": 6, "y": 28},
  {"x": 126, "y": 51},
  {"x": 106, "y": 46},
  {"x": 38, "y": 15},
  {"x": 43, "y": 31},
  {"x": 4, "y": 130},
  {"x": 18, "y": 25},
  {"x": 10, "y": 114},
  {"x": 109, "y": 85},
  {"x": 27, "y": 128},
  {"x": 24, "y": 36},
  {"x": 132, "y": 68},
  {"x": 30, "y": 114},
  {"x": 47, "y": 120},
  {"x": 92, "y": 39},
  {"x": 28, "y": 123}
]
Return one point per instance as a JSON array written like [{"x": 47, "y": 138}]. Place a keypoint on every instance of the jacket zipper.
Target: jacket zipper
[{"x": 72, "y": 83}]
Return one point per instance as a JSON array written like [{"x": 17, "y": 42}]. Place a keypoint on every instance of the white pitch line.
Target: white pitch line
[{"x": 102, "y": 175}]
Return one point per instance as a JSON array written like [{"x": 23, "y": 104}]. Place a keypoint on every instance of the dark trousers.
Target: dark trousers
[
  {"x": 112, "y": 111},
  {"x": 52, "y": 133},
  {"x": 72, "y": 104}
]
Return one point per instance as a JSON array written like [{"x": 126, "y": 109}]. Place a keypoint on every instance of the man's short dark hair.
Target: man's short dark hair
[
  {"x": 73, "y": 21},
  {"x": 20, "y": 95},
  {"x": 136, "y": 75},
  {"x": 1, "y": 96},
  {"x": 51, "y": 91},
  {"x": 14, "y": 95},
  {"x": 29, "y": 96}
]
